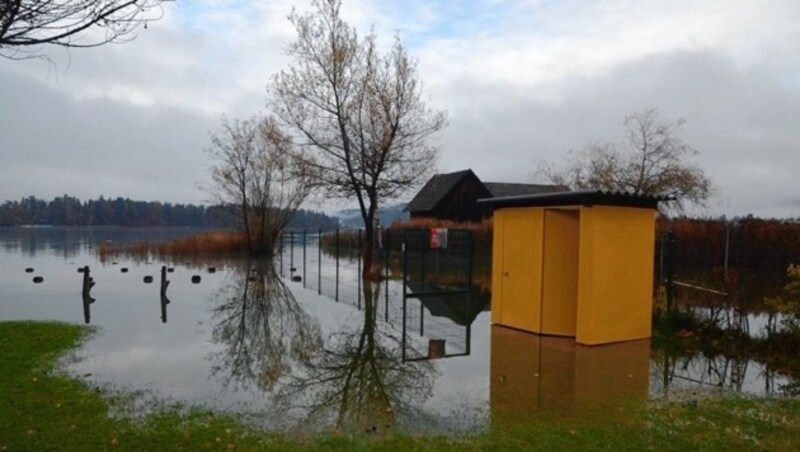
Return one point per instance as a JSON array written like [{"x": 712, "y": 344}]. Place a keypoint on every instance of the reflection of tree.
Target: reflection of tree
[
  {"x": 263, "y": 328},
  {"x": 359, "y": 377}
]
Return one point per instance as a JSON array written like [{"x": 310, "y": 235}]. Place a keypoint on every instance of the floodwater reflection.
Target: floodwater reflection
[
  {"x": 262, "y": 328},
  {"x": 358, "y": 379},
  {"x": 534, "y": 375},
  {"x": 354, "y": 378}
]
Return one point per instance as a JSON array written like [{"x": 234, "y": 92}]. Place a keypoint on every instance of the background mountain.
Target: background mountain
[{"x": 351, "y": 218}]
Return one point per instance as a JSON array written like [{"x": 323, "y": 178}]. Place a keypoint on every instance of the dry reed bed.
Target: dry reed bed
[{"x": 206, "y": 244}]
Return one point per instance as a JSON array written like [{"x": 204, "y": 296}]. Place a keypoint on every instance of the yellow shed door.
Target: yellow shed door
[
  {"x": 521, "y": 269},
  {"x": 560, "y": 273}
]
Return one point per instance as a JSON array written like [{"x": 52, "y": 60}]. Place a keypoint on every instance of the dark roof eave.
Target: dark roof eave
[{"x": 579, "y": 198}]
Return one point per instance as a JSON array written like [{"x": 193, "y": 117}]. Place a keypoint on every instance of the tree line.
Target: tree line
[{"x": 70, "y": 211}]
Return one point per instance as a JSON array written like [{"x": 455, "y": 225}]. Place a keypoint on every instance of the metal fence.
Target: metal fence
[{"x": 425, "y": 281}]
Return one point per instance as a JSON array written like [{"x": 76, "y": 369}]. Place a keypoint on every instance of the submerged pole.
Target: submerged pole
[
  {"x": 386, "y": 276},
  {"x": 280, "y": 259},
  {"x": 670, "y": 270},
  {"x": 291, "y": 252},
  {"x": 336, "y": 297},
  {"x": 88, "y": 283},
  {"x": 163, "y": 292}
]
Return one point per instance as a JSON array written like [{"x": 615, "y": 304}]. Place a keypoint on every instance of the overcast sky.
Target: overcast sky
[{"x": 522, "y": 81}]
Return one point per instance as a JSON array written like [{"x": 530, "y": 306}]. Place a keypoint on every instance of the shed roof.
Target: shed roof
[
  {"x": 581, "y": 197},
  {"x": 436, "y": 189},
  {"x": 502, "y": 189}
]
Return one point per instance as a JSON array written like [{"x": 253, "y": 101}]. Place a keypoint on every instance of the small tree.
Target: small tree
[
  {"x": 25, "y": 24},
  {"x": 652, "y": 158},
  {"x": 358, "y": 114},
  {"x": 256, "y": 179}
]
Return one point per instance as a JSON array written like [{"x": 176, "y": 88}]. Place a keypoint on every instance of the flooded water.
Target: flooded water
[{"x": 286, "y": 355}]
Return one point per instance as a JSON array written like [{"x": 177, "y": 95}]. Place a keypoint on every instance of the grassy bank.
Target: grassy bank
[{"x": 44, "y": 409}]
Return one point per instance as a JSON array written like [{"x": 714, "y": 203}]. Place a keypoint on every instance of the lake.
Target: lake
[{"x": 305, "y": 356}]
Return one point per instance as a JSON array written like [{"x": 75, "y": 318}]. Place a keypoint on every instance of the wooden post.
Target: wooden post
[
  {"x": 88, "y": 283},
  {"x": 163, "y": 293},
  {"x": 436, "y": 348}
]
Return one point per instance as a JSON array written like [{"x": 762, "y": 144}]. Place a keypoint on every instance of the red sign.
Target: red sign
[{"x": 438, "y": 238}]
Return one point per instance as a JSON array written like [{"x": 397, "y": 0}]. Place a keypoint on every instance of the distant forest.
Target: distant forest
[{"x": 70, "y": 211}]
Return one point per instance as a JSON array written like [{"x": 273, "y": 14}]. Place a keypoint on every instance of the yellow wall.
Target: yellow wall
[
  {"x": 560, "y": 272},
  {"x": 615, "y": 286}
]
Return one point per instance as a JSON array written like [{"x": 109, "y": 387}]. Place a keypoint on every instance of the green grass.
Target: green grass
[{"x": 42, "y": 409}]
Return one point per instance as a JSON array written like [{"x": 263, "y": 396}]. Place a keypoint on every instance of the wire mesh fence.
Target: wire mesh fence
[{"x": 420, "y": 281}]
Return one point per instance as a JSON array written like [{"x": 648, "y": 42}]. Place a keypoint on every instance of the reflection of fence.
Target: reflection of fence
[
  {"x": 437, "y": 262},
  {"x": 437, "y": 277},
  {"x": 445, "y": 331},
  {"x": 725, "y": 305},
  {"x": 331, "y": 262},
  {"x": 432, "y": 297}
]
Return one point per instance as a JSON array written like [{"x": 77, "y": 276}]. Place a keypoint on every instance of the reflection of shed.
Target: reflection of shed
[
  {"x": 575, "y": 264},
  {"x": 462, "y": 309},
  {"x": 532, "y": 375}
]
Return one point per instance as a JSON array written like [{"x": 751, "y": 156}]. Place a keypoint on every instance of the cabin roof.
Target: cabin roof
[
  {"x": 502, "y": 189},
  {"x": 580, "y": 198},
  {"x": 440, "y": 185},
  {"x": 436, "y": 189}
]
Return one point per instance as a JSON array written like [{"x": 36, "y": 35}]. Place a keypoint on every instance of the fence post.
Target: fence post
[
  {"x": 470, "y": 253},
  {"x": 670, "y": 270},
  {"x": 319, "y": 261},
  {"x": 386, "y": 276},
  {"x": 421, "y": 317},
  {"x": 291, "y": 253},
  {"x": 425, "y": 244},
  {"x": 304, "y": 258},
  {"x": 727, "y": 244},
  {"x": 358, "y": 276},
  {"x": 661, "y": 257},
  {"x": 280, "y": 244},
  {"x": 336, "y": 297}
]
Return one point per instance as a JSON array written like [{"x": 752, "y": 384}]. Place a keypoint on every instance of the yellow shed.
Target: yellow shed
[{"x": 576, "y": 264}]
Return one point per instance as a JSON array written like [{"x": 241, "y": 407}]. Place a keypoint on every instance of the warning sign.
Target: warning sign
[{"x": 438, "y": 238}]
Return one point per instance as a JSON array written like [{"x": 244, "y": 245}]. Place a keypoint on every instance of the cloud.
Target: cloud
[
  {"x": 522, "y": 80},
  {"x": 740, "y": 121},
  {"x": 54, "y": 144}
]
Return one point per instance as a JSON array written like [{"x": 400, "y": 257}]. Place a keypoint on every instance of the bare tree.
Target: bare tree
[
  {"x": 256, "y": 179},
  {"x": 25, "y": 24},
  {"x": 652, "y": 158},
  {"x": 358, "y": 114}
]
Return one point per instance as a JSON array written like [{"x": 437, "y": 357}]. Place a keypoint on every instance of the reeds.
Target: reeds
[{"x": 207, "y": 244}]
